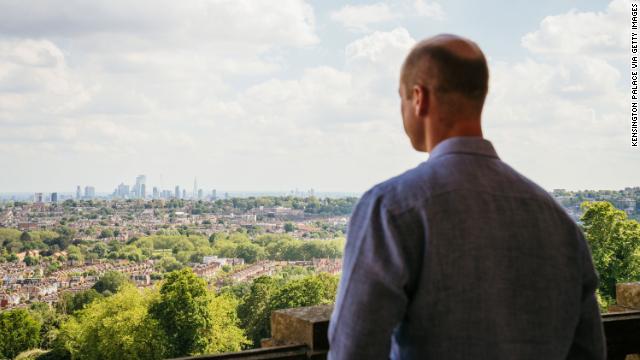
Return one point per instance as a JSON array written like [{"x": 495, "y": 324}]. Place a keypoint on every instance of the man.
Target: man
[{"x": 461, "y": 257}]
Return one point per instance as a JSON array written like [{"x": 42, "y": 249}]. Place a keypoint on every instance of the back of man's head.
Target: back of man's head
[{"x": 452, "y": 67}]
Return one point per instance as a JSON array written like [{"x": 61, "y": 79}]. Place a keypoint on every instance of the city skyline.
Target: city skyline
[
  {"x": 263, "y": 98},
  {"x": 138, "y": 190}
]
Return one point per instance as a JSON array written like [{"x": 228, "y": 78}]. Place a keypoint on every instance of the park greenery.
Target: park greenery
[{"x": 171, "y": 248}]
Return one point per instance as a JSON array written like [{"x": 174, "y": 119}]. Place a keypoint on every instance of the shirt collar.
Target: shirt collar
[{"x": 474, "y": 145}]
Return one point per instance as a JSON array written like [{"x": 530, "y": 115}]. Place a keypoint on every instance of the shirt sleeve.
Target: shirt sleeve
[
  {"x": 588, "y": 342},
  {"x": 372, "y": 294}
]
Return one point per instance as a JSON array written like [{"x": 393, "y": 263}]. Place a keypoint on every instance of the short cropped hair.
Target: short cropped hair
[{"x": 445, "y": 72}]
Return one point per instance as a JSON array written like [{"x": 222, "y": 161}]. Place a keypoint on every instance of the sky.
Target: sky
[{"x": 278, "y": 95}]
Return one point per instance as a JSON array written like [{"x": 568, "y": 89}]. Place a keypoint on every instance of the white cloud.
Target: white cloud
[
  {"x": 327, "y": 98},
  {"x": 36, "y": 83},
  {"x": 381, "y": 47},
  {"x": 136, "y": 57},
  {"x": 359, "y": 17},
  {"x": 430, "y": 9},
  {"x": 291, "y": 22},
  {"x": 577, "y": 32},
  {"x": 375, "y": 61},
  {"x": 346, "y": 120},
  {"x": 567, "y": 96}
]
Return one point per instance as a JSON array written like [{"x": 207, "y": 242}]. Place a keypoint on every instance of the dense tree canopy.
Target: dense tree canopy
[
  {"x": 69, "y": 302},
  {"x": 193, "y": 320},
  {"x": 183, "y": 312},
  {"x": 19, "y": 331},
  {"x": 267, "y": 294},
  {"x": 110, "y": 281},
  {"x": 254, "y": 311},
  {"x": 115, "y": 327},
  {"x": 615, "y": 244}
]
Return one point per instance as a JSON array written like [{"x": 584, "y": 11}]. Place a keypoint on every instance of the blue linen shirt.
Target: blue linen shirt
[{"x": 462, "y": 257}]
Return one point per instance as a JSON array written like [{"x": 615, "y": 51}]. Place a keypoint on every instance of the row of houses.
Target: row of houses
[
  {"x": 269, "y": 267},
  {"x": 21, "y": 287}
]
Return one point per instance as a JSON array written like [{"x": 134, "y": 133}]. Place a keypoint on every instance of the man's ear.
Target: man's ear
[{"x": 420, "y": 101}]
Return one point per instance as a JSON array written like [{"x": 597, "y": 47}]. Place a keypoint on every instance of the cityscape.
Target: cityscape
[{"x": 139, "y": 190}]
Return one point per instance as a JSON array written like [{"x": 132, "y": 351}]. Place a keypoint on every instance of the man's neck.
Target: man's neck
[{"x": 467, "y": 127}]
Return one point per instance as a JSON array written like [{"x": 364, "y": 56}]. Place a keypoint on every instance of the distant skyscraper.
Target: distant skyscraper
[
  {"x": 184, "y": 193},
  {"x": 141, "y": 180},
  {"x": 200, "y": 194},
  {"x": 177, "y": 194},
  {"x": 213, "y": 194},
  {"x": 137, "y": 189},
  {"x": 78, "y": 193},
  {"x": 123, "y": 191},
  {"x": 89, "y": 192},
  {"x": 54, "y": 197},
  {"x": 143, "y": 191},
  {"x": 156, "y": 194},
  {"x": 37, "y": 197},
  {"x": 195, "y": 189}
]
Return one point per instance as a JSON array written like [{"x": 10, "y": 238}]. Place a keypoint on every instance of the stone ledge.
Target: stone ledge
[
  {"x": 628, "y": 295},
  {"x": 306, "y": 325}
]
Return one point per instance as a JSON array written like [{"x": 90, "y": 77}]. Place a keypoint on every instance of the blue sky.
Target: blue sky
[{"x": 246, "y": 95}]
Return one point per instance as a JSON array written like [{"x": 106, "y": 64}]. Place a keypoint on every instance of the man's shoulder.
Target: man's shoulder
[
  {"x": 523, "y": 186},
  {"x": 531, "y": 188},
  {"x": 400, "y": 191},
  {"x": 416, "y": 186}
]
